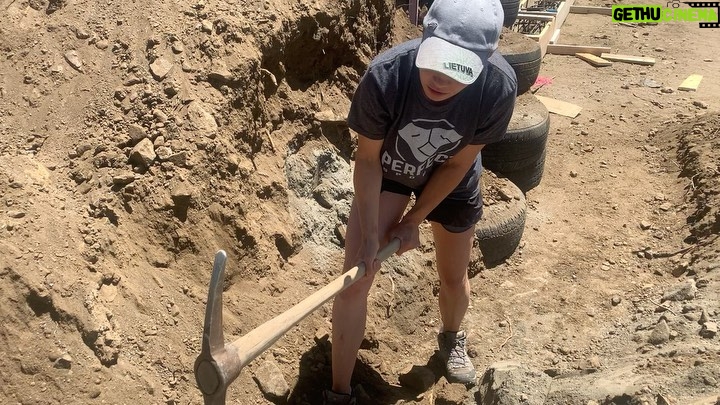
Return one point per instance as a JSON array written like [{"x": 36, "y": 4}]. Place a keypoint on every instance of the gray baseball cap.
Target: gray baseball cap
[{"x": 459, "y": 36}]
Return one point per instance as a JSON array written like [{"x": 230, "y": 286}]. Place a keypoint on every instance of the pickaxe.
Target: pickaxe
[{"x": 219, "y": 364}]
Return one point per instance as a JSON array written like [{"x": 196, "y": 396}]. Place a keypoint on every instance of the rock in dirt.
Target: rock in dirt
[
  {"x": 201, "y": 120},
  {"x": 143, "y": 154},
  {"x": 686, "y": 291},
  {"x": 271, "y": 381},
  {"x": 417, "y": 378},
  {"x": 65, "y": 362},
  {"x": 74, "y": 60},
  {"x": 512, "y": 383},
  {"x": 124, "y": 178},
  {"x": 160, "y": 68},
  {"x": 136, "y": 133},
  {"x": 661, "y": 333},
  {"x": 709, "y": 330}
]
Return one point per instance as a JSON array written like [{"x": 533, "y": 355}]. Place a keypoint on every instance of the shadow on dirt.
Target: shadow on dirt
[{"x": 370, "y": 387}]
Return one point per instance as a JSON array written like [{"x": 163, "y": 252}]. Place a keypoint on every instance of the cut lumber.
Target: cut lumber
[
  {"x": 638, "y": 60},
  {"x": 691, "y": 83},
  {"x": 560, "y": 107},
  {"x": 562, "y": 12},
  {"x": 555, "y": 36},
  {"x": 557, "y": 49},
  {"x": 591, "y": 10},
  {"x": 540, "y": 15},
  {"x": 593, "y": 60}
]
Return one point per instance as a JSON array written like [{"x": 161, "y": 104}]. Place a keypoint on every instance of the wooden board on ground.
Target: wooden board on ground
[
  {"x": 638, "y": 60},
  {"x": 560, "y": 107},
  {"x": 593, "y": 60},
  {"x": 691, "y": 83},
  {"x": 558, "y": 49},
  {"x": 591, "y": 10}
]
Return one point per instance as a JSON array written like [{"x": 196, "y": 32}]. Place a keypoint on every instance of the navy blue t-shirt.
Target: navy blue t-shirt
[{"x": 419, "y": 134}]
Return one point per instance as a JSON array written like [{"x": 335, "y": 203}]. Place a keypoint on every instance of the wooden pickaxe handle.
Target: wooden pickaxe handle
[{"x": 219, "y": 364}]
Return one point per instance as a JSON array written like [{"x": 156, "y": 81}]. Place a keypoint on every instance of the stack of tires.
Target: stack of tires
[{"x": 519, "y": 157}]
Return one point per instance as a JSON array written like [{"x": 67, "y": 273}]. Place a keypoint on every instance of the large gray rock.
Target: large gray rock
[
  {"x": 271, "y": 381},
  {"x": 512, "y": 383}
]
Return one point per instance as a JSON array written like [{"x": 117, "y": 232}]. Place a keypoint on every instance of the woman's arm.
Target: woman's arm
[{"x": 367, "y": 181}]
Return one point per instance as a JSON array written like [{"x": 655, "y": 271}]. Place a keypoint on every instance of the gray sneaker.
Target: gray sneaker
[
  {"x": 457, "y": 363},
  {"x": 333, "y": 398}
]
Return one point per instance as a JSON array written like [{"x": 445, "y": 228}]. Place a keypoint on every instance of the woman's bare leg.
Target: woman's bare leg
[{"x": 350, "y": 307}]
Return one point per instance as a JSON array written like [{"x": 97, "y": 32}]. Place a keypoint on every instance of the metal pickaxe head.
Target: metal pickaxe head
[{"x": 213, "y": 374}]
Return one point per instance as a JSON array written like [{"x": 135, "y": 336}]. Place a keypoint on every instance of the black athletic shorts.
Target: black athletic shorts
[{"x": 454, "y": 215}]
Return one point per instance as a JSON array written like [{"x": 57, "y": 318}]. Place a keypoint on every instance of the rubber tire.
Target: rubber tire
[
  {"x": 528, "y": 178},
  {"x": 525, "y": 139},
  {"x": 510, "y": 9},
  {"x": 524, "y": 55},
  {"x": 499, "y": 231}
]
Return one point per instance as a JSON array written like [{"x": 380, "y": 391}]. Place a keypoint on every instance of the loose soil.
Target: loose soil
[{"x": 136, "y": 141}]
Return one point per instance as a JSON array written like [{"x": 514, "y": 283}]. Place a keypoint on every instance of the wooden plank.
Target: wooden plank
[
  {"x": 563, "y": 12},
  {"x": 540, "y": 15},
  {"x": 638, "y": 60},
  {"x": 691, "y": 83},
  {"x": 556, "y": 35},
  {"x": 591, "y": 10},
  {"x": 560, "y": 107},
  {"x": 593, "y": 60},
  {"x": 544, "y": 38},
  {"x": 557, "y": 49}
]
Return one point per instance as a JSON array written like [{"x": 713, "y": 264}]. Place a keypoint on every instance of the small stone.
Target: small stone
[
  {"x": 321, "y": 335},
  {"x": 645, "y": 225},
  {"x": 709, "y": 330},
  {"x": 661, "y": 333},
  {"x": 102, "y": 44},
  {"x": 123, "y": 179},
  {"x": 73, "y": 59},
  {"x": 271, "y": 381},
  {"x": 700, "y": 104},
  {"x": 667, "y": 90},
  {"x": 82, "y": 33},
  {"x": 573, "y": 173},
  {"x": 160, "y": 68},
  {"x": 143, "y": 154},
  {"x": 16, "y": 214},
  {"x": 686, "y": 291},
  {"x": 615, "y": 300},
  {"x": 63, "y": 362}
]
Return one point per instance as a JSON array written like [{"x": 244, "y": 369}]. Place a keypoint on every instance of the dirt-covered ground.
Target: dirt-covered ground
[{"x": 137, "y": 140}]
